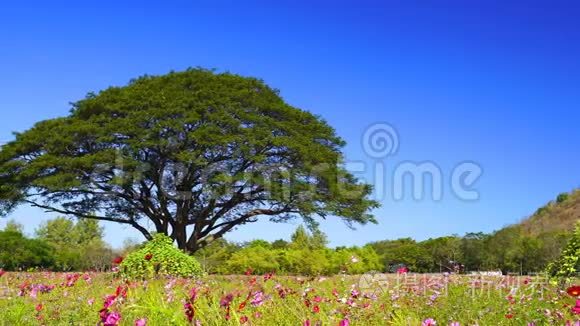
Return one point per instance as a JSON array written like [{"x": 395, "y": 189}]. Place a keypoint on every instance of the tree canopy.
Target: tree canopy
[{"x": 193, "y": 153}]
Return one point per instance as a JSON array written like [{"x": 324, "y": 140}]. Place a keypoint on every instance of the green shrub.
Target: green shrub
[
  {"x": 567, "y": 266},
  {"x": 159, "y": 257},
  {"x": 562, "y": 197}
]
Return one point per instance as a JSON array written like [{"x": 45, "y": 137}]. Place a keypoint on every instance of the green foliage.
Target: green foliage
[
  {"x": 260, "y": 259},
  {"x": 159, "y": 257},
  {"x": 214, "y": 256},
  {"x": 562, "y": 197},
  {"x": 568, "y": 265},
  {"x": 77, "y": 246},
  {"x": 14, "y": 226},
  {"x": 227, "y": 133},
  {"x": 20, "y": 253}
]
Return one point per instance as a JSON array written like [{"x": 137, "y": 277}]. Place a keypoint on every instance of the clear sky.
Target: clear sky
[{"x": 493, "y": 82}]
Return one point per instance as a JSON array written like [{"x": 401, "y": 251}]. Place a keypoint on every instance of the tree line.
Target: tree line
[
  {"x": 59, "y": 245},
  {"x": 509, "y": 250},
  {"x": 64, "y": 245}
]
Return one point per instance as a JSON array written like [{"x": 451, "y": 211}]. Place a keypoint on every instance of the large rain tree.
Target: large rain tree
[{"x": 190, "y": 154}]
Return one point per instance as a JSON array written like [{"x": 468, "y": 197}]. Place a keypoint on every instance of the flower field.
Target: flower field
[{"x": 371, "y": 299}]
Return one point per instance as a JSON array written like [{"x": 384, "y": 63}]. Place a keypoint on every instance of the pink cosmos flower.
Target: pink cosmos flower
[
  {"x": 306, "y": 323},
  {"x": 227, "y": 300},
  {"x": 258, "y": 299},
  {"x": 429, "y": 322},
  {"x": 344, "y": 322},
  {"x": 455, "y": 323},
  {"x": 109, "y": 300},
  {"x": 141, "y": 322},
  {"x": 112, "y": 319},
  {"x": 576, "y": 308}
]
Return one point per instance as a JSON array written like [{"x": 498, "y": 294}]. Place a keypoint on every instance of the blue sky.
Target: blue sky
[{"x": 491, "y": 82}]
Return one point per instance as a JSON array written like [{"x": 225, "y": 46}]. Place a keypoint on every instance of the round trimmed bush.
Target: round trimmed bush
[{"x": 159, "y": 257}]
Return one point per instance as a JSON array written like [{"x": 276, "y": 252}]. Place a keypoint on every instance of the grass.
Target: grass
[{"x": 379, "y": 299}]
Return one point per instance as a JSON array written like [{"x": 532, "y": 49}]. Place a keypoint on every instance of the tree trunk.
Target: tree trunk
[{"x": 180, "y": 236}]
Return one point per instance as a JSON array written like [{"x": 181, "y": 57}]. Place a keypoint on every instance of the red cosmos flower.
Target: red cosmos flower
[
  {"x": 316, "y": 309},
  {"x": 243, "y": 319},
  {"x": 509, "y": 316},
  {"x": 118, "y": 260},
  {"x": 248, "y": 271},
  {"x": 38, "y": 307},
  {"x": 268, "y": 276},
  {"x": 574, "y": 290},
  {"x": 2, "y": 272},
  {"x": 148, "y": 256},
  {"x": 121, "y": 291},
  {"x": 402, "y": 270},
  {"x": 189, "y": 311}
]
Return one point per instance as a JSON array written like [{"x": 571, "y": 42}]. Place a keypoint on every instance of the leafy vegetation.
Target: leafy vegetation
[
  {"x": 19, "y": 252},
  {"x": 159, "y": 257},
  {"x": 567, "y": 267},
  {"x": 77, "y": 246}
]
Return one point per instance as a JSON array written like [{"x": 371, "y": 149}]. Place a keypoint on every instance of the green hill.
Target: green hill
[{"x": 558, "y": 215}]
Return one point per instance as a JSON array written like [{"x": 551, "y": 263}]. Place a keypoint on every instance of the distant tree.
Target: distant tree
[
  {"x": 504, "y": 250},
  {"x": 196, "y": 153},
  {"x": 474, "y": 252},
  {"x": 355, "y": 260},
  {"x": 445, "y": 252},
  {"x": 13, "y": 226},
  {"x": 214, "y": 257},
  {"x": 59, "y": 232},
  {"x": 88, "y": 231},
  {"x": 260, "y": 243},
  {"x": 302, "y": 239},
  {"x": 562, "y": 197},
  {"x": 18, "y": 252},
  {"x": 257, "y": 258},
  {"x": 280, "y": 244},
  {"x": 78, "y": 246}
]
